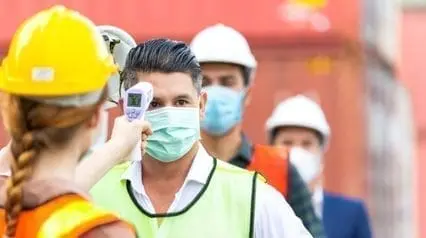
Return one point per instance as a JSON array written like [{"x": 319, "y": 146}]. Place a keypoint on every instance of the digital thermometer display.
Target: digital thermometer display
[
  {"x": 134, "y": 100},
  {"x": 137, "y": 100}
]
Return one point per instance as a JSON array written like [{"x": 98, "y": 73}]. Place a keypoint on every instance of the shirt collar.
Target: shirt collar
[
  {"x": 317, "y": 200},
  {"x": 199, "y": 172},
  {"x": 201, "y": 166},
  {"x": 134, "y": 174}
]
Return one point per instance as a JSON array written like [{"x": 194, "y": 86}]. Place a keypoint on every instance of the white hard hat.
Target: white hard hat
[
  {"x": 220, "y": 43},
  {"x": 120, "y": 43},
  {"x": 299, "y": 111}
]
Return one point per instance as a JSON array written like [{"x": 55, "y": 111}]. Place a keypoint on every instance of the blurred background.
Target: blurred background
[{"x": 362, "y": 60}]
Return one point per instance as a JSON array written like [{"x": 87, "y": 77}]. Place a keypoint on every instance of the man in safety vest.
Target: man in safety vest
[
  {"x": 299, "y": 123},
  {"x": 228, "y": 70},
  {"x": 177, "y": 190}
]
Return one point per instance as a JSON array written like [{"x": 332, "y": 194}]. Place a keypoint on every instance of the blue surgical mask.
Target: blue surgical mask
[
  {"x": 223, "y": 110},
  {"x": 175, "y": 130}
]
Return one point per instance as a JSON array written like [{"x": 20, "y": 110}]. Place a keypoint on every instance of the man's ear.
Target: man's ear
[
  {"x": 247, "y": 97},
  {"x": 203, "y": 101}
]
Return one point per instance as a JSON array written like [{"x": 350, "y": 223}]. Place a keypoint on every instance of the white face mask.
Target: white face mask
[{"x": 307, "y": 163}]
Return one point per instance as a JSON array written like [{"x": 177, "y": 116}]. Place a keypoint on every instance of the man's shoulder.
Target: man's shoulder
[
  {"x": 273, "y": 215},
  {"x": 347, "y": 201},
  {"x": 224, "y": 167},
  {"x": 347, "y": 208},
  {"x": 234, "y": 173},
  {"x": 118, "y": 170}
]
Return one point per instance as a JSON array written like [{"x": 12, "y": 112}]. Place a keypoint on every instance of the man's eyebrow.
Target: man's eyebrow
[
  {"x": 156, "y": 99},
  {"x": 183, "y": 96},
  {"x": 226, "y": 77}
]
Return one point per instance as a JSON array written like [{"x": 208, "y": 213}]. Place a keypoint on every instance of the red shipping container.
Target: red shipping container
[{"x": 182, "y": 19}]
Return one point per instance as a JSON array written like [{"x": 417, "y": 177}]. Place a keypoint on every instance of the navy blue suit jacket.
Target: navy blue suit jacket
[{"x": 345, "y": 217}]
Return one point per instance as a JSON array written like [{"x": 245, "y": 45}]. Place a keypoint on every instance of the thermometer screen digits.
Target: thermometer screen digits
[{"x": 134, "y": 100}]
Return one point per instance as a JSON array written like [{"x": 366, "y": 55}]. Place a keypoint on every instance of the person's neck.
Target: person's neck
[
  {"x": 56, "y": 164},
  {"x": 223, "y": 147},
  {"x": 163, "y": 180}
]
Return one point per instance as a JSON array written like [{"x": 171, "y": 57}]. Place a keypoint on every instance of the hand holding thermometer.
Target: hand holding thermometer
[{"x": 137, "y": 100}]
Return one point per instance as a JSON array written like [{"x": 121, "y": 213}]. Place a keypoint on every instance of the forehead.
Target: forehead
[
  {"x": 296, "y": 133},
  {"x": 169, "y": 84},
  {"x": 220, "y": 69}
]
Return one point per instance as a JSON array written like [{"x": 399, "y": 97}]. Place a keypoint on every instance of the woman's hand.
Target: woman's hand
[{"x": 128, "y": 135}]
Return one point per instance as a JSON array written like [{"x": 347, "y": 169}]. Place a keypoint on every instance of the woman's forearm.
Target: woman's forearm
[{"x": 92, "y": 168}]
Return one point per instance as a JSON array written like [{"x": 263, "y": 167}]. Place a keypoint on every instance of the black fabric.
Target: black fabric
[{"x": 244, "y": 156}]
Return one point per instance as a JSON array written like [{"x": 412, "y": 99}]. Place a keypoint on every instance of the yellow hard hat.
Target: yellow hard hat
[{"x": 57, "y": 52}]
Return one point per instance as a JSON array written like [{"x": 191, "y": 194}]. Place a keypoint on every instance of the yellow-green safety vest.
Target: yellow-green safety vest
[{"x": 224, "y": 208}]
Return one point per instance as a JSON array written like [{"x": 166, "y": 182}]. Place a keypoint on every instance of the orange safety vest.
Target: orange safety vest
[
  {"x": 272, "y": 164},
  {"x": 66, "y": 216}
]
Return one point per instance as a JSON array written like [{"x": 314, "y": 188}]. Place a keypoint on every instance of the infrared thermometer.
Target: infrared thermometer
[{"x": 137, "y": 100}]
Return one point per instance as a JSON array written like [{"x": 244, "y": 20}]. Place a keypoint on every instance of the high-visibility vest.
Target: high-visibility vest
[
  {"x": 271, "y": 163},
  {"x": 223, "y": 208},
  {"x": 66, "y": 216}
]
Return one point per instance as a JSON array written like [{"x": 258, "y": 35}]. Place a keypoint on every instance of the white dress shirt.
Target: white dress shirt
[
  {"x": 273, "y": 216},
  {"x": 317, "y": 200}
]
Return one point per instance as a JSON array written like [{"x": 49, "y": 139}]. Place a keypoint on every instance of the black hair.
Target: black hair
[
  {"x": 162, "y": 56},
  {"x": 246, "y": 71}
]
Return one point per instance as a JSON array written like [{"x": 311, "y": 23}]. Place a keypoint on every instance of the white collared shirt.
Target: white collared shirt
[
  {"x": 317, "y": 200},
  {"x": 273, "y": 216}
]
